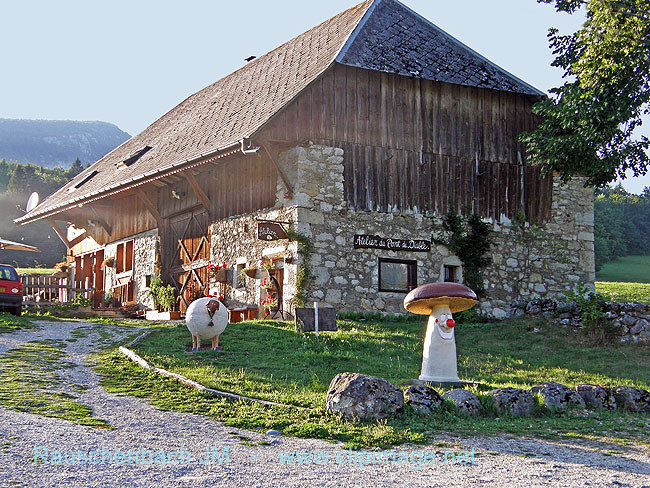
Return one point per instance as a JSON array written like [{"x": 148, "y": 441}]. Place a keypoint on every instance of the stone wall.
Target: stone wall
[
  {"x": 234, "y": 241},
  {"x": 347, "y": 279},
  {"x": 630, "y": 320},
  {"x": 145, "y": 256}
]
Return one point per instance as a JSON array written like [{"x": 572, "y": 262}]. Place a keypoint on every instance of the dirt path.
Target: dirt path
[{"x": 237, "y": 459}]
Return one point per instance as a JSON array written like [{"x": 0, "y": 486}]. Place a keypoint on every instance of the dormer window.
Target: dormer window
[
  {"x": 85, "y": 180},
  {"x": 133, "y": 157}
]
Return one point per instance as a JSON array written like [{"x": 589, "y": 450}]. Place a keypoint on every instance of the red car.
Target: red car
[{"x": 11, "y": 290}]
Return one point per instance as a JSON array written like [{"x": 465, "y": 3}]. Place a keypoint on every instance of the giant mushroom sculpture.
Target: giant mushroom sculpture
[{"x": 439, "y": 301}]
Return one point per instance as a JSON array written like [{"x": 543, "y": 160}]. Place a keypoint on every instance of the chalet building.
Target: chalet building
[{"x": 353, "y": 134}]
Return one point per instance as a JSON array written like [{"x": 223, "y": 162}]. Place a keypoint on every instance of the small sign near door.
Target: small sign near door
[{"x": 271, "y": 231}]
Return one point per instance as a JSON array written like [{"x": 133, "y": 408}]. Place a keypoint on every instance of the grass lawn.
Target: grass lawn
[
  {"x": 629, "y": 269},
  {"x": 22, "y": 271},
  {"x": 269, "y": 360},
  {"x": 619, "y": 291}
]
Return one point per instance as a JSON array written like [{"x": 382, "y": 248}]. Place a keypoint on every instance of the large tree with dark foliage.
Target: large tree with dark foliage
[{"x": 588, "y": 124}]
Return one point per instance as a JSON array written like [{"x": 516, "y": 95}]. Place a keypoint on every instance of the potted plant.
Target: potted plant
[
  {"x": 217, "y": 272},
  {"x": 266, "y": 284},
  {"x": 164, "y": 300},
  {"x": 268, "y": 265},
  {"x": 107, "y": 299},
  {"x": 270, "y": 302}
]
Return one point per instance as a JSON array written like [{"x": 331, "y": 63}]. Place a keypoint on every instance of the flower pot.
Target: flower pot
[
  {"x": 251, "y": 273},
  {"x": 219, "y": 275}
]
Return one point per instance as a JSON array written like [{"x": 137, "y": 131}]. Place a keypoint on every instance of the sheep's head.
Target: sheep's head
[{"x": 212, "y": 306}]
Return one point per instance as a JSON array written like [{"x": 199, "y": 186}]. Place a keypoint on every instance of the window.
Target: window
[
  {"x": 133, "y": 157},
  {"x": 451, "y": 273},
  {"x": 83, "y": 181},
  {"x": 397, "y": 275},
  {"x": 239, "y": 281},
  {"x": 124, "y": 258}
]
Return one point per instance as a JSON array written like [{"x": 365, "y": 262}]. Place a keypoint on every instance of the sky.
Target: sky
[{"x": 128, "y": 62}]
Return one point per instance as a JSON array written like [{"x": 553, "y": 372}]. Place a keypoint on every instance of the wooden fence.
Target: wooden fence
[{"x": 50, "y": 288}]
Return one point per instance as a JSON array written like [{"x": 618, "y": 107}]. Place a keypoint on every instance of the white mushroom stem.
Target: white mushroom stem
[{"x": 439, "y": 355}]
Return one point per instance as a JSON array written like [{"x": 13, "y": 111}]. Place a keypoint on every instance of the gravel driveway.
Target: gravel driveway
[{"x": 171, "y": 447}]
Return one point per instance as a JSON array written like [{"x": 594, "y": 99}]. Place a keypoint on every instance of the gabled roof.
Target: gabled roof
[
  {"x": 376, "y": 34},
  {"x": 394, "y": 39}
]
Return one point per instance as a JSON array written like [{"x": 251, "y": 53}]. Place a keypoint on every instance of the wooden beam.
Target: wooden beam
[
  {"x": 78, "y": 239},
  {"x": 198, "y": 191},
  {"x": 277, "y": 166},
  {"x": 59, "y": 233},
  {"x": 150, "y": 207},
  {"x": 101, "y": 221}
]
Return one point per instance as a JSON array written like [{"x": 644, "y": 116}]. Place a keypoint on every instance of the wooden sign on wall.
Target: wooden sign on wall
[
  {"x": 271, "y": 231},
  {"x": 390, "y": 244}
]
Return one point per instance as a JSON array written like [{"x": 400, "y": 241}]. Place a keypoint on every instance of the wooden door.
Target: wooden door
[
  {"x": 98, "y": 278},
  {"x": 188, "y": 244}
]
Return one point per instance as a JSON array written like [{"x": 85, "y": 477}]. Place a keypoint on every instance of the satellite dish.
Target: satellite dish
[{"x": 32, "y": 202}]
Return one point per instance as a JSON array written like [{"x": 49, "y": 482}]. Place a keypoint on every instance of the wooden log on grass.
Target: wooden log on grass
[{"x": 197, "y": 386}]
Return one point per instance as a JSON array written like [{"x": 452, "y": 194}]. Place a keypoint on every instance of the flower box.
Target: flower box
[{"x": 157, "y": 315}]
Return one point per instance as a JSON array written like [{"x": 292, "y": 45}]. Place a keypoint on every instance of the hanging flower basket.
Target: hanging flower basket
[
  {"x": 266, "y": 284},
  {"x": 268, "y": 265},
  {"x": 250, "y": 272},
  {"x": 107, "y": 263},
  {"x": 217, "y": 272}
]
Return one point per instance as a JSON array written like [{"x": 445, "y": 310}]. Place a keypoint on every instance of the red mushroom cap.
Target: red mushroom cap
[{"x": 424, "y": 298}]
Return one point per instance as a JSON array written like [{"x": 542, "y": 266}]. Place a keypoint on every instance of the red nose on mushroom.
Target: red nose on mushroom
[
  {"x": 451, "y": 323},
  {"x": 425, "y": 298}
]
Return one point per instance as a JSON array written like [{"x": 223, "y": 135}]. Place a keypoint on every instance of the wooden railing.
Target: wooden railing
[{"x": 48, "y": 288}]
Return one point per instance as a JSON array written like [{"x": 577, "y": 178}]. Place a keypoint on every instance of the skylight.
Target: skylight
[
  {"x": 133, "y": 157},
  {"x": 89, "y": 177}
]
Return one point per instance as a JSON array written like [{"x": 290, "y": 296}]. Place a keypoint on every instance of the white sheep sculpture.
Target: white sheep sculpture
[{"x": 206, "y": 318}]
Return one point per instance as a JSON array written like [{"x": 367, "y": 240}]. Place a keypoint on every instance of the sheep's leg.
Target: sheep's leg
[
  {"x": 215, "y": 342},
  {"x": 198, "y": 342},
  {"x": 193, "y": 343}
]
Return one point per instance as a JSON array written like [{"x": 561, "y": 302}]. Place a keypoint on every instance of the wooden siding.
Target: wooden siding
[
  {"x": 235, "y": 186},
  {"x": 415, "y": 145}
]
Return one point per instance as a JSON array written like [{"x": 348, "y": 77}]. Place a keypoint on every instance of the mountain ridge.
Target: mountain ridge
[{"x": 52, "y": 143}]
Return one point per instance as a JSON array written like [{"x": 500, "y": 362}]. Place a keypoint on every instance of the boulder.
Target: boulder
[
  {"x": 358, "y": 396},
  {"x": 557, "y": 396},
  {"x": 465, "y": 401},
  {"x": 597, "y": 397},
  {"x": 632, "y": 399},
  {"x": 423, "y": 398},
  {"x": 513, "y": 401}
]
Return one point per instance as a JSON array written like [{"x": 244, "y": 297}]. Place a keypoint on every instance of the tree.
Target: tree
[
  {"x": 588, "y": 124},
  {"x": 18, "y": 182},
  {"x": 76, "y": 168}
]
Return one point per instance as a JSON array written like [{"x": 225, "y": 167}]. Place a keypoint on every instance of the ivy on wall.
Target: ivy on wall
[
  {"x": 469, "y": 238},
  {"x": 304, "y": 275}
]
